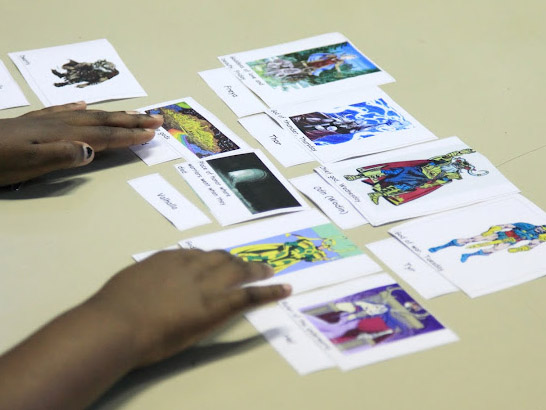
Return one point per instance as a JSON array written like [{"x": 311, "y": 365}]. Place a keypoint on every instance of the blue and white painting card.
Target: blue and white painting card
[
  {"x": 365, "y": 321},
  {"x": 329, "y": 200},
  {"x": 233, "y": 92},
  {"x": 289, "y": 340},
  {"x": 483, "y": 248},
  {"x": 10, "y": 93},
  {"x": 417, "y": 180},
  {"x": 241, "y": 187},
  {"x": 189, "y": 131},
  {"x": 422, "y": 277},
  {"x": 91, "y": 71},
  {"x": 169, "y": 202},
  {"x": 305, "y": 70},
  {"x": 304, "y": 249},
  {"x": 352, "y": 124},
  {"x": 275, "y": 140}
]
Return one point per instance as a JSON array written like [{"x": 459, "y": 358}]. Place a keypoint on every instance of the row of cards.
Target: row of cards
[{"x": 91, "y": 71}]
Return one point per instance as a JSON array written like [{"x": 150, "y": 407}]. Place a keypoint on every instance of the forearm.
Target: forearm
[{"x": 69, "y": 362}]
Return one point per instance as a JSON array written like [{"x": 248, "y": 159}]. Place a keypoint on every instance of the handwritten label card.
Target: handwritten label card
[{"x": 169, "y": 202}]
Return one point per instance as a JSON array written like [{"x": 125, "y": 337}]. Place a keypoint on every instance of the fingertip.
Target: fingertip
[{"x": 287, "y": 289}]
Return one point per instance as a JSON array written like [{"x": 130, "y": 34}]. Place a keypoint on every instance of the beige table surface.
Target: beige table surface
[{"x": 474, "y": 69}]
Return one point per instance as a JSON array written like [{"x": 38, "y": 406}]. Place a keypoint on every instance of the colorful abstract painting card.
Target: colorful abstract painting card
[
  {"x": 413, "y": 270},
  {"x": 365, "y": 321},
  {"x": 189, "y": 131},
  {"x": 417, "y": 180},
  {"x": 329, "y": 200},
  {"x": 305, "y": 70},
  {"x": 10, "y": 93},
  {"x": 304, "y": 249},
  {"x": 233, "y": 92},
  {"x": 483, "y": 248},
  {"x": 91, "y": 71},
  {"x": 241, "y": 187},
  {"x": 275, "y": 140},
  {"x": 350, "y": 125}
]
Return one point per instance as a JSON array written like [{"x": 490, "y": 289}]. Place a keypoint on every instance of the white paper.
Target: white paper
[
  {"x": 305, "y": 250},
  {"x": 445, "y": 173},
  {"x": 488, "y": 252},
  {"x": 330, "y": 201},
  {"x": 189, "y": 131},
  {"x": 94, "y": 80},
  {"x": 10, "y": 93},
  {"x": 414, "y": 271},
  {"x": 241, "y": 187},
  {"x": 279, "y": 77},
  {"x": 357, "y": 123},
  {"x": 169, "y": 202},
  {"x": 235, "y": 94},
  {"x": 138, "y": 257},
  {"x": 283, "y": 147},
  {"x": 289, "y": 341},
  {"x": 376, "y": 320}
]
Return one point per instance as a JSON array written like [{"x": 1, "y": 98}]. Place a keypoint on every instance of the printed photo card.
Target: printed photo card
[
  {"x": 91, "y": 71},
  {"x": 422, "y": 277},
  {"x": 10, "y": 93},
  {"x": 282, "y": 146},
  {"x": 417, "y": 180},
  {"x": 365, "y": 321},
  {"x": 304, "y": 249},
  {"x": 350, "y": 125},
  {"x": 483, "y": 248},
  {"x": 189, "y": 131},
  {"x": 305, "y": 70},
  {"x": 241, "y": 187}
]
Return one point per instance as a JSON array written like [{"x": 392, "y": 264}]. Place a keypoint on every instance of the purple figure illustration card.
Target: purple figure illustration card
[
  {"x": 365, "y": 321},
  {"x": 304, "y": 70},
  {"x": 483, "y": 248},
  {"x": 417, "y": 180},
  {"x": 354, "y": 124}
]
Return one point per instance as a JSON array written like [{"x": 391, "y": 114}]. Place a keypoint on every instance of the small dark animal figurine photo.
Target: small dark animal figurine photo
[{"x": 86, "y": 73}]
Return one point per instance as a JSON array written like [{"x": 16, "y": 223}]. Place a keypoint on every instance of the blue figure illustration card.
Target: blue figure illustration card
[
  {"x": 417, "y": 180},
  {"x": 304, "y": 70},
  {"x": 356, "y": 123},
  {"x": 304, "y": 249},
  {"x": 366, "y": 320},
  {"x": 483, "y": 248}
]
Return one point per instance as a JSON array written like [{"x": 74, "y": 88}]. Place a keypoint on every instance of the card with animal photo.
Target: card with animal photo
[
  {"x": 304, "y": 249},
  {"x": 304, "y": 70},
  {"x": 354, "y": 124},
  {"x": 483, "y": 248},
  {"x": 91, "y": 71},
  {"x": 241, "y": 187},
  {"x": 275, "y": 140},
  {"x": 189, "y": 131},
  {"x": 366, "y": 320},
  {"x": 417, "y": 180},
  {"x": 10, "y": 93}
]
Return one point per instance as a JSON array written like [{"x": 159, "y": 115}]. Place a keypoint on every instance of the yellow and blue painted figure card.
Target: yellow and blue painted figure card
[
  {"x": 482, "y": 248},
  {"x": 303, "y": 248}
]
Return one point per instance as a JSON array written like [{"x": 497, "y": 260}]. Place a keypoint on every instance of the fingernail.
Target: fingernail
[
  {"x": 158, "y": 116},
  {"x": 149, "y": 129},
  {"x": 87, "y": 152},
  {"x": 269, "y": 271},
  {"x": 132, "y": 112},
  {"x": 287, "y": 289},
  {"x": 79, "y": 102}
]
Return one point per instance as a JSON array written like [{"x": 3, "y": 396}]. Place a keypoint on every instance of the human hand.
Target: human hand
[
  {"x": 66, "y": 136},
  {"x": 175, "y": 298}
]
